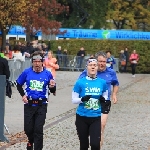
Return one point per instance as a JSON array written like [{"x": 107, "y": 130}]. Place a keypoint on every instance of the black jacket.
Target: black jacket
[
  {"x": 80, "y": 53},
  {"x": 4, "y": 68}
]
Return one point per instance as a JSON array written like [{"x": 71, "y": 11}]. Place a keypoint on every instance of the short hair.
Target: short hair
[
  {"x": 36, "y": 53},
  {"x": 100, "y": 53},
  {"x": 108, "y": 51}
]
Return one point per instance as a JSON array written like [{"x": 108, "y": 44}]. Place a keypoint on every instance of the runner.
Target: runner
[
  {"x": 110, "y": 76},
  {"x": 90, "y": 93},
  {"x": 37, "y": 81}
]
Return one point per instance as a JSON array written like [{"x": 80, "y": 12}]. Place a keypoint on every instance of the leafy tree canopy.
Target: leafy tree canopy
[
  {"x": 129, "y": 14},
  {"x": 84, "y": 13},
  {"x": 31, "y": 14}
]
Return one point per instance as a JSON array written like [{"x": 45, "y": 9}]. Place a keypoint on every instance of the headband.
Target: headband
[
  {"x": 37, "y": 57},
  {"x": 91, "y": 60}
]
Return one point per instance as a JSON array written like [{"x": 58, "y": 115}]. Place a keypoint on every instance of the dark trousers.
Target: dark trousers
[
  {"x": 125, "y": 67},
  {"x": 34, "y": 120},
  {"x": 88, "y": 126},
  {"x": 80, "y": 61},
  {"x": 133, "y": 66}
]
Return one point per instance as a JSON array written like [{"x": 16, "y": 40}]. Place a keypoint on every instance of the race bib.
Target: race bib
[{"x": 92, "y": 103}]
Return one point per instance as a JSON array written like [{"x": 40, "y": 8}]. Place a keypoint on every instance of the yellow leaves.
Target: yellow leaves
[
  {"x": 131, "y": 13},
  {"x": 12, "y": 11}
]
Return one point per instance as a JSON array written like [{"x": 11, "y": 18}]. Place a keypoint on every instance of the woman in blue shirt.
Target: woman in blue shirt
[{"x": 89, "y": 92}]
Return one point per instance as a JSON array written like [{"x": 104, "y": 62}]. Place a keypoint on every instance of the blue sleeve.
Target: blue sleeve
[
  {"x": 77, "y": 87},
  {"x": 83, "y": 74},
  {"x": 22, "y": 78},
  {"x": 105, "y": 86},
  {"x": 114, "y": 78},
  {"x": 114, "y": 62}
]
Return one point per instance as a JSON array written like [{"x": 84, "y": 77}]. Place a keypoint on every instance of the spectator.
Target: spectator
[
  {"x": 65, "y": 58},
  {"x": 8, "y": 44},
  {"x": 17, "y": 55},
  {"x": 59, "y": 55},
  {"x": 4, "y": 70},
  {"x": 126, "y": 53},
  {"x": 134, "y": 58},
  {"x": 122, "y": 59},
  {"x": 8, "y": 52},
  {"x": 4, "y": 67},
  {"x": 80, "y": 57},
  {"x": 110, "y": 59}
]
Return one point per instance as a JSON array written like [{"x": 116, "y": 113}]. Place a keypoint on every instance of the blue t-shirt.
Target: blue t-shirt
[
  {"x": 36, "y": 85},
  {"x": 109, "y": 75},
  {"x": 93, "y": 87},
  {"x": 111, "y": 59}
]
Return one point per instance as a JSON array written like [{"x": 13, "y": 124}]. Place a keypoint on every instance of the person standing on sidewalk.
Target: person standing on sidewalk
[
  {"x": 134, "y": 58},
  {"x": 90, "y": 93},
  {"x": 37, "y": 81},
  {"x": 109, "y": 75},
  {"x": 126, "y": 53}
]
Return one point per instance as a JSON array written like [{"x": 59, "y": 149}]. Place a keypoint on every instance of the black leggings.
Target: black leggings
[
  {"x": 133, "y": 66},
  {"x": 88, "y": 126}
]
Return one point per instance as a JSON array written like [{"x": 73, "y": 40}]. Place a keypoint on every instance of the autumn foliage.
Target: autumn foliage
[
  {"x": 34, "y": 15},
  {"x": 129, "y": 14}
]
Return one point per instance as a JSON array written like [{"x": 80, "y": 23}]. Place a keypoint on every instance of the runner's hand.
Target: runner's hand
[
  {"x": 24, "y": 99},
  {"x": 85, "y": 98},
  {"x": 52, "y": 83},
  {"x": 114, "y": 98}
]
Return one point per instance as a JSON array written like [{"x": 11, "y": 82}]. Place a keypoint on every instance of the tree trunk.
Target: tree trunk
[
  {"x": 3, "y": 39},
  {"x": 28, "y": 37}
]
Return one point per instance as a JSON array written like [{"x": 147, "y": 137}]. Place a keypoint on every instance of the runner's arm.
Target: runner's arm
[
  {"x": 20, "y": 89},
  {"x": 75, "y": 98}
]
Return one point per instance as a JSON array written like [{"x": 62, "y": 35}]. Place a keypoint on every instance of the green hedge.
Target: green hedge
[{"x": 93, "y": 46}]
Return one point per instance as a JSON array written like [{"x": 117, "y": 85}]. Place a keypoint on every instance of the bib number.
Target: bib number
[{"x": 92, "y": 103}]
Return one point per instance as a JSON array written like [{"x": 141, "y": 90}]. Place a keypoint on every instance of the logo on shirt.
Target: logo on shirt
[
  {"x": 36, "y": 85},
  {"x": 92, "y": 91}
]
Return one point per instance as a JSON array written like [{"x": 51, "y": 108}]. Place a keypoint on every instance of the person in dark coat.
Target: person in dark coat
[
  {"x": 126, "y": 53},
  {"x": 80, "y": 57},
  {"x": 4, "y": 67}
]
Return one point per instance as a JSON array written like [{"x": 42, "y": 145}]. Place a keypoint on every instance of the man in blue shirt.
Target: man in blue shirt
[
  {"x": 109, "y": 75},
  {"x": 37, "y": 82}
]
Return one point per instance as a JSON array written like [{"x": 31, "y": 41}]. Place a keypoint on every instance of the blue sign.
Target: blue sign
[
  {"x": 105, "y": 34},
  {"x": 90, "y": 34},
  {"x": 19, "y": 30}
]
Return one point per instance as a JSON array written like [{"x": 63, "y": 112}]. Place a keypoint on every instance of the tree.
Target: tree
[
  {"x": 10, "y": 13},
  {"x": 42, "y": 18},
  {"x": 84, "y": 13},
  {"x": 128, "y": 14},
  {"x": 34, "y": 15}
]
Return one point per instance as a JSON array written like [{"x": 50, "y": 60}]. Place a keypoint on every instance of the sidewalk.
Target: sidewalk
[{"x": 123, "y": 131}]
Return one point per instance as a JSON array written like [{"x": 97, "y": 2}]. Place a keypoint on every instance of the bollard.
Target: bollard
[{"x": 2, "y": 106}]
